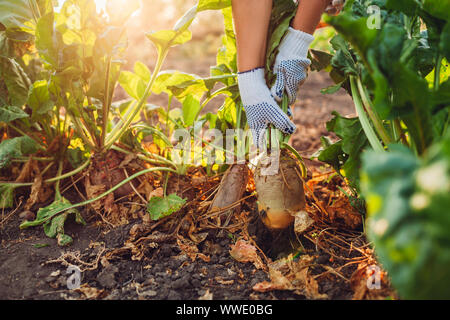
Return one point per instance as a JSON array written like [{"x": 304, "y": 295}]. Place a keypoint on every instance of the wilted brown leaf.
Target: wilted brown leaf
[
  {"x": 158, "y": 192},
  {"x": 243, "y": 251},
  {"x": 90, "y": 293},
  {"x": 277, "y": 282},
  {"x": 26, "y": 171},
  {"x": 207, "y": 296},
  {"x": 146, "y": 189},
  {"x": 292, "y": 275},
  {"x": 93, "y": 191},
  {"x": 128, "y": 158},
  {"x": 35, "y": 190}
]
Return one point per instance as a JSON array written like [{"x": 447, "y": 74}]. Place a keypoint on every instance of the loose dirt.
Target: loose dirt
[{"x": 144, "y": 260}]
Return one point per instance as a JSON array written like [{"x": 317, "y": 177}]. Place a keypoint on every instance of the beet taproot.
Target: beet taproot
[{"x": 280, "y": 195}]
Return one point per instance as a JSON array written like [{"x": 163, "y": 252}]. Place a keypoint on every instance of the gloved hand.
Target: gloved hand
[
  {"x": 260, "y": 107},
  {"x": 291, "y": 65}
]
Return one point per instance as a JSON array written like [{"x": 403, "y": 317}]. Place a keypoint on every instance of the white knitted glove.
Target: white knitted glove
[
  {"x": 291, "y": 64},
  {"x": 260, "y": 107}
]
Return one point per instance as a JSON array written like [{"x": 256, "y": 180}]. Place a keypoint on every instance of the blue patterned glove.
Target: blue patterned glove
[
  {"x": 291, "y": 65},
  {"x": 260, "y": 107}
]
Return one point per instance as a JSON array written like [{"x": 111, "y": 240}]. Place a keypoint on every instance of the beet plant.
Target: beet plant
[
  {"x": 59, "y": 73},
  {"x": 392, "y": 57}
]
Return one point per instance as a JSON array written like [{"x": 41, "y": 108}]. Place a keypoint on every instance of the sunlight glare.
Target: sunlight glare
[{"x": 101, "y": 4}]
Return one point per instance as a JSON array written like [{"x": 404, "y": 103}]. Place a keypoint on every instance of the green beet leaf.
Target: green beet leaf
[
  {"x": 159, "y": 207},
  {"x": 11, "y": 113},
  {"x": 407, "y": 221},
  {"x": 191, "y": 108},
  {"x": 6, "y": 196},
  {"x": 165, "y": 39},
  {"x": 16, "y": 80},
  {"x": 53, "y": 221},
  {"x": 39, "y": 98},
  {"x": 16, "y": 147}
]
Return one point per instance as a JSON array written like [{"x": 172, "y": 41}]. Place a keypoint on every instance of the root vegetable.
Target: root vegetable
[
  {"x": 280, "y": 196},
  {"x": 232, "y": 187},
  {"x": 105, "y": 171}
]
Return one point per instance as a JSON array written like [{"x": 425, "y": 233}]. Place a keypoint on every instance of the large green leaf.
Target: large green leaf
[
  {"x": 282, "y": 13},
  {"x": 346, "y": 154},
  {"x": 354, "y": 30},
  {"x": 409, "y": 7},
  {"x": 16, "y": 147},
  {"x": 15, "y": 13},
  {"x": 132, "y": 84},
  {"x": 438, "y": 8},
  {"x": 45, "y": 42},
  {"x": 180, "y": 85},
  {"x": 445, "y": 41},
  {"x": 407, "y": 222},
  {"x": 11, "y": 113},
  {"x": 39, "y": 99},
  {"x": 53, "y": 221},
  {"x": 16, "y": 80},
  {"x": 168, "y": 38},
  {"x": 7, "y": 196},
  {"x": 191, "y": 108},
  {"x": 159, "y": 207}
]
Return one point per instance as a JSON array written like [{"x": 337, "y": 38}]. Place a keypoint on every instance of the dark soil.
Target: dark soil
[{"x": 163, "y": 272}]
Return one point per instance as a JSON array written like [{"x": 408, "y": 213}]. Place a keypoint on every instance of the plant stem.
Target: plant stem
[
  {"x": 373, "y": 115},
  {"x": 298, "y": 156},
  {"x": 437, "y": 72},
  {"x": 169, "y": 105},
  {"x": 365, "y": 123},
  {"x": 57, "y": 184},
  {"x": 121, "y": 127},
  {"x": 106, "y": 104},
  {"x": 215, "y": 94},
  {"x": 57, "y": 178},
  {"x": 166, "y": 181},
  {"x": 104, "y": 194},
  {"x": 42, "y": 146},
  {"x": 81, "y": 133},
  {"x": 26, "y": 159},
  {"x": 398, "y": 129},
  {"x": 158, "y": 159}
]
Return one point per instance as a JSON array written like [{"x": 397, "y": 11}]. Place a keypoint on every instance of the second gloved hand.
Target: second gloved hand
[
  {"x": 291, "y": 64},
  {"x": 260, "y": 107}
]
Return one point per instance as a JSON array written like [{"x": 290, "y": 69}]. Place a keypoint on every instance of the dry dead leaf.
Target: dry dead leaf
[
  {"x": 302, "y": 222},
  {"x": 93, "y": 191},
  {"x": 207, "y": 296},
  {"x": 145, "y": 188},
  {"x": 292, "y": 275},
  {"x": 26, "y": 171},
  {"x": 223, "y": 281},
  {"x": 35, "y": 190},
  {"x": 90, "y": 293},
  {"x": 198, "y": 237},
  {"x": 128, "y": 158},
  {"x": 363, "y": 277},
  {"x": 277, "y": 282},
  {"x": 109, "y": 203},
  {"x": 243, "y": 251},
  {"x": 158, "y": 192}
]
